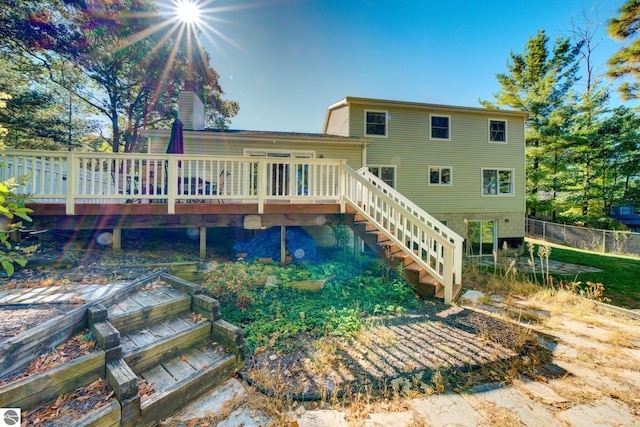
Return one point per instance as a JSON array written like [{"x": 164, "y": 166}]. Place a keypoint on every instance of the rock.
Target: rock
[{"x": 473, "y": 296}]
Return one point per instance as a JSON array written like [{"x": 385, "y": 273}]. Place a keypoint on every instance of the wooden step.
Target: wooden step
[
  {"x": 440, "y": 292},
  {"x": 160, "y": 348},
  {"x": 183, "y": 379},
  {"x": 380, "y": 236},
  {"x": 147, "y": 307}
]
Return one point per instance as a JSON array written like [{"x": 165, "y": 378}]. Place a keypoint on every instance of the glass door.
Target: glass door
[{"x": 482, "y": 237}]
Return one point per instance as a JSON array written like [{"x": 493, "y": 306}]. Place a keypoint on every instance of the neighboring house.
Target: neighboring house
[
  {"x": 465, "y": 166},
  {"x": 628, "y": 215}
]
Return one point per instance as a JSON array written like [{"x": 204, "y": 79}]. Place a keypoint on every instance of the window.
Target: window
[
  {"x": 440, "y": 127},
  {"x": 375, "y": 123},
  {"x": 497, "y": 182},
  {"x": 439, "y": 175},
  {"x": 497, "y": 131},
  {"x": 385, "y": 173}
]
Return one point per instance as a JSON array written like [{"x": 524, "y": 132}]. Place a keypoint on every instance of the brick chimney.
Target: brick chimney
[{"x": 190, "y": 108}]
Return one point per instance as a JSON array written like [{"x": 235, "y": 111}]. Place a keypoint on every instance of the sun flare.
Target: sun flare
[{"x": 187, "y": 11}]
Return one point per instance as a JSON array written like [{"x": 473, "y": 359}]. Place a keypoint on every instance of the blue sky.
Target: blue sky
[{"x": 285, "y": 62}]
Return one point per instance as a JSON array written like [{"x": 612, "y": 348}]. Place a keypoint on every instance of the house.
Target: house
[
  {"x": 412, "y": 181},
  {"x": 465, "y": 166}
]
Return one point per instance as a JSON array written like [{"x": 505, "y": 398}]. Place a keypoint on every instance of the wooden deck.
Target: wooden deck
[{"x": 154, "y": 215}]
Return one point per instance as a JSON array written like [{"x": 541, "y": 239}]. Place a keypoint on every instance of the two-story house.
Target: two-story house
[{"x": 465, "y": 166}]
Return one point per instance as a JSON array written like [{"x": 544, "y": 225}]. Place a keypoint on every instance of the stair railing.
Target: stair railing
[{"x": 428, "y": 242}]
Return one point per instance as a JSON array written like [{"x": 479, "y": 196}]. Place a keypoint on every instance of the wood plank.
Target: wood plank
[
  {"x": 37, "y": 389},
  {"x": 17, "y": 352},
  {"x": 158, "y": 378},
  {"x": 161, "y": 405},
  {"x": 180, "y": 369},
  {"x": 144, "y": 299},
  {"x": 144, "y": 358},
  {"x": 141, "y": 339},
  {"x": 129, "y": 304},
  {"x": 147, "y": 316}
]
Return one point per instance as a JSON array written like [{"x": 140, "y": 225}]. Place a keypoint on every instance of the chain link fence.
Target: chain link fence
[{"x": 591, "y": 239}]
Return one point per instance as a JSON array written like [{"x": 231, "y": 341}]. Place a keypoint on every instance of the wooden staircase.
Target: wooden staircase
[
  {"x": 418, "y": 277},
  {"x": 165, "y": 345}
]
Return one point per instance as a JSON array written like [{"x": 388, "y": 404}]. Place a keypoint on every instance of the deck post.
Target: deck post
[
  {"x": 203, "y": 242},
  {"x": 72, "y": 183},
  {"x": 172, "y": 185},
  {"x": 117, "y": 239},
  {"x": 283, "y": 244},
  {"x": 262, "y": 184}
]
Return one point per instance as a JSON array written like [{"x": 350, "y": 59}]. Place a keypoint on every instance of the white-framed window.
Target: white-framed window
[
  {"x": 375, "y": 123},
  {"x": 497, "y": 131},
  {"x": 440, "y": 175},
  {"x": 497, "y": 182},
  {"x": 387, "y": 173},
  {"x": 440, "y": 127}
]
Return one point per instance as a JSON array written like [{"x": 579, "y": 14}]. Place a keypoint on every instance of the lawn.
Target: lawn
[{"x": 620, "y": 275}]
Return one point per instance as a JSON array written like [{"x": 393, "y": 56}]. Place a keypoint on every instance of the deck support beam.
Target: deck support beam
[
  {"x": 203, "y": 242},
  {"x": 283, "y": 245},
  {"x": 117, "y": 239}
]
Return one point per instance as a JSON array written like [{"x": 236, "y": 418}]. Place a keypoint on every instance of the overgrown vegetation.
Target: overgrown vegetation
[
  {"x": 262, "y": 298},
  {"x": 526, "y": 274}
]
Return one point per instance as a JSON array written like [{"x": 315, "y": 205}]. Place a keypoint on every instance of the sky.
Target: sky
[{"x": 286, "y": 61}]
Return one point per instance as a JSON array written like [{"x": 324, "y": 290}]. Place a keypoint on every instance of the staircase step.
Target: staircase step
[
  {"x": 147, "y": 307},
  {"x": 380, "y": 236},
  {"x": 132, "y": 341},
  {"x": 155, "y": 349},
  {"x": 440, "y": 291},
  {"x": 183, "y": 378}
]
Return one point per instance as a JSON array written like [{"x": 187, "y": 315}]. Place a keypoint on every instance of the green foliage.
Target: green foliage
[
  {"x": 624, "y": 63},
  {"x": 539, "y": 81},
  {"x": 275, "y": 315},
  {"x": 121, "y": 59},
  {"x": 11, "y": 208}
]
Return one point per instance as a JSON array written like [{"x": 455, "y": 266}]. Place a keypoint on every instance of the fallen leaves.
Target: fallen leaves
[
  {"x": 145, "y": 389},
  {"x": 73, "y": 405},
  {"x": 79, "y": 345}
]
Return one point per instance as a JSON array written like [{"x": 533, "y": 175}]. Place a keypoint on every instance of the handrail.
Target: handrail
[
  {"x": 384, "y": 207},
  {"x": 78, "y": 177}
]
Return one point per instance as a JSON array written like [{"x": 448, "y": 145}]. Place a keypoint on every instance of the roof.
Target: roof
[
  {"x": 386, "y": 103},
  {"x": 238, "y": 134}
]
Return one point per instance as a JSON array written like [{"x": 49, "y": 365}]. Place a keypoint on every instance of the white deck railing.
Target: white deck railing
[
  {"x": 71, "y": 178},
  {"x": 170, "y": 179},
  {"x": 431, "y": 244}
]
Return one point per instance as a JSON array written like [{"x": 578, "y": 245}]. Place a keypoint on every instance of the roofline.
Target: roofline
[
  {"x": 264, "y": 135},
  {"x": 419, "y": 105}
]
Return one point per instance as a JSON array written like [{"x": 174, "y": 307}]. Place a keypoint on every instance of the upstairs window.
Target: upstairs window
[
  {"x": 375, "y": 123},
  {"x": 498, "y": 131},
  {"x": 439, "y": 175},
  {"x": 497, "y": 182},
  {"x": 385, "y": 173},
  {"x": 440, "y": 127}
]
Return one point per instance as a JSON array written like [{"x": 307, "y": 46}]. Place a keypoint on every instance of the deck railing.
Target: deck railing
[
  {"x": 431, "y": 244},
  {"x": 72, "y": 177}
]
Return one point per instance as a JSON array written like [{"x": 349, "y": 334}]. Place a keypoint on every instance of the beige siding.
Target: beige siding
[
  {"x": 409, "y": 148},
  {"x": 338, "y": 122},
  {"x": 212, "y": 144}
]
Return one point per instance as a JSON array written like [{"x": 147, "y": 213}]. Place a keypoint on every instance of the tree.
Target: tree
[
  {"x": 11, "y": 207},
  {"x": 133, "y": 59},
  {"x": 40, "y": 114},
  {"x": 539, "y": 82},
  {"x": 625, "y": 62}
]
